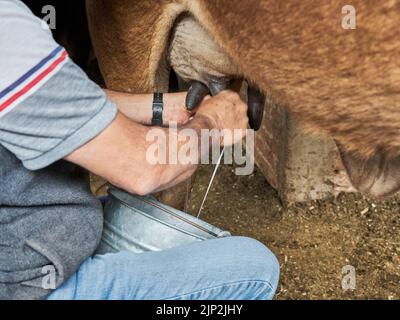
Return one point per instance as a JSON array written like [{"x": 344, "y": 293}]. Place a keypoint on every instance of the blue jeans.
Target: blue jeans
[{"x": 226, "y": 268}]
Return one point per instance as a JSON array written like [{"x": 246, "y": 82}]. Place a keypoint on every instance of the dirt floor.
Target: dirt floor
[{"x": 313, "y": 241}]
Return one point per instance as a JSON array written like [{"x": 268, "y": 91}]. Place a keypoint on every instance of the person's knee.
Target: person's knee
[
  {"x": 259, "y": 259},
  {"x": 253, "y": 262}
]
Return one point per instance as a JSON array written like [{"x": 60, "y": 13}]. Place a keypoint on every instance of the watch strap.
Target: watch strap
[{"x": 158, "y": 106}]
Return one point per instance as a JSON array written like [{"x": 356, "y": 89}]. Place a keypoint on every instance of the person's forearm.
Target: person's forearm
[
  {"x": 138, "y": 107},
  {"x": 119, "y": 154}
]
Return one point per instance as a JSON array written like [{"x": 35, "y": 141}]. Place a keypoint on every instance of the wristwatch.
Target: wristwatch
[{"x": 158, "y": 106}]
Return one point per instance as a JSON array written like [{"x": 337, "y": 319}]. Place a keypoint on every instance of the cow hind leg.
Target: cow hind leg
[{"x": 377, "y": 176}]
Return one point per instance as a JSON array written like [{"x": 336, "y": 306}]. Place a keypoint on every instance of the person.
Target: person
[{"x": 53, "y": 121}]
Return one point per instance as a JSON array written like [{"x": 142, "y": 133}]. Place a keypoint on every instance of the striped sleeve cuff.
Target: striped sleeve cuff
[{"x": 32, "y": 80}]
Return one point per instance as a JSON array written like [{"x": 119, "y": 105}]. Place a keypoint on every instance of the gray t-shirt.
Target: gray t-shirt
[{"x": 48, "y": 108}]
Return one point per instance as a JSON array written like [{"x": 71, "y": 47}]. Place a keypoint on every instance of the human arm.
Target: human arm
[{"x": 118, "y": 154}]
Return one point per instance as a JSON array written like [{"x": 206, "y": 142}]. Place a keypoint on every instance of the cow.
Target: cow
[{"x": 340, "y": 81}]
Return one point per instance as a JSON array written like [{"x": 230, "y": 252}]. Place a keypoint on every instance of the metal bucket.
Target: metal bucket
[{"x": 140, "y": 224}]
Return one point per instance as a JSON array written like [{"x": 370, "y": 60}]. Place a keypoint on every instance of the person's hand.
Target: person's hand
[
  {"x": 175, "y": 109},
  {"x": 227, "y": 112}
]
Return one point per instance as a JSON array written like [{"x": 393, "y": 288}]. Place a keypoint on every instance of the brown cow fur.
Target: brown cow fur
[{"x": 343, "y": 82}]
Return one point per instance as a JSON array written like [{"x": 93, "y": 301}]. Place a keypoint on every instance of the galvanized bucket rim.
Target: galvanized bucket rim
[{"x": 182, "y": 219}]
